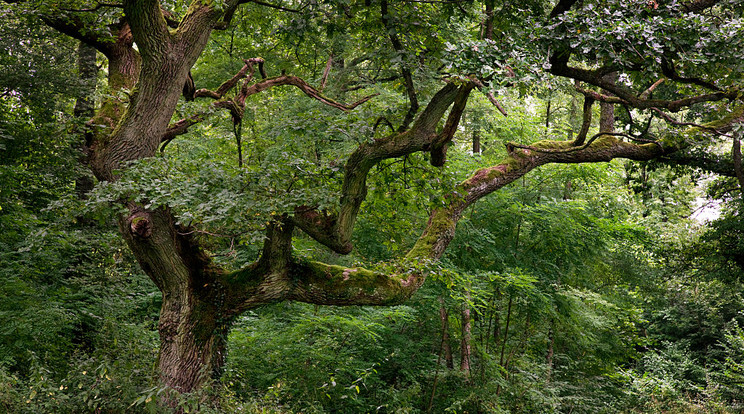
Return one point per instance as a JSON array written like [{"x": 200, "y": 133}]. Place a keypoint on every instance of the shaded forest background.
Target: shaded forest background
[{"x": 591, "y": 288}]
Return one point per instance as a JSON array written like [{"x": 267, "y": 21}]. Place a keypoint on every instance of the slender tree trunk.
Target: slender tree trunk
[
  {"x": 476, "y": 142},
  {"x": 447, "y": 347},
  {"x": 465, "y": 350},
  {"x": 506, "y": 338},
  {"x": 506, "y": 330},
  {"x": 607, "y": 110},
  {"x": 84, "y": 110}
]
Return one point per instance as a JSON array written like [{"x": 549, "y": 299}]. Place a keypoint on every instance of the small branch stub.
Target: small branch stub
[{"x": 140, "y": 225}]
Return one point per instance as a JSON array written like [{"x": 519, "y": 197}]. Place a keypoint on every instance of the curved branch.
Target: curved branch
[
  {"x": 625, "y": 95},
  {"x": 673, "y": 121},
  {"x": 305, "y": 87},
  {"x": 334, "y": 230},
  {"x": 76, "y": 28},
  {"x": 489, "y": 95},
  {"x": 668, "y": 69},
  {"x": 559, "y": 66},
  {"x": 324, "y": 284},
  {"x": 277, "y": 276}
]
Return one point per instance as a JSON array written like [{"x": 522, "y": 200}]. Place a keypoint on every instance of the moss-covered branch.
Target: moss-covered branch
[{"x": 323, "y": 284}]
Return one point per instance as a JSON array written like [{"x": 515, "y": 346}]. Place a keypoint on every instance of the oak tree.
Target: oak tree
[{"x": 647, "y": 62}]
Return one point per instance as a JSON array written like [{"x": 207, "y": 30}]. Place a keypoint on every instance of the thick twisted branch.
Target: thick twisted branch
[{"x": 334, "y": 229}]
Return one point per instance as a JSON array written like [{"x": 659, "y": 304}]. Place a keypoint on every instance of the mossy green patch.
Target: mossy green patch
[
  {"x": 552, "y": 144},
  {"x": 355, "y": 284},
  {"x": 440, "y": 223}
]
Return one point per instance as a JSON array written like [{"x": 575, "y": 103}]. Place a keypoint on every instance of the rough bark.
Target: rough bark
[
  {"x": 476, "y": 142},
  {"x": 606, "y": 117},
  {"x": 607, "y": 110}
]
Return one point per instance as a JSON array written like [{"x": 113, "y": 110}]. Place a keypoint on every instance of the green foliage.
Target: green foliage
[
  {"x": 637, "y": 33},
  {"x": 355, "y": 360}
]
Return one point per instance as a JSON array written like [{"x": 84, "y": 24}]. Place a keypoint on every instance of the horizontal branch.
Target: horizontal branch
[
  {"x": 324, "y": 284},
  {"x": 668, "y": 69},
  {"x": 76, "y": 28}
]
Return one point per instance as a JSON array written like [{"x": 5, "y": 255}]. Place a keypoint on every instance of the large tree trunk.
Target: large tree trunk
[
  {"x": 193, "y": 318},
  {"x": 192, "y": 343}
]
